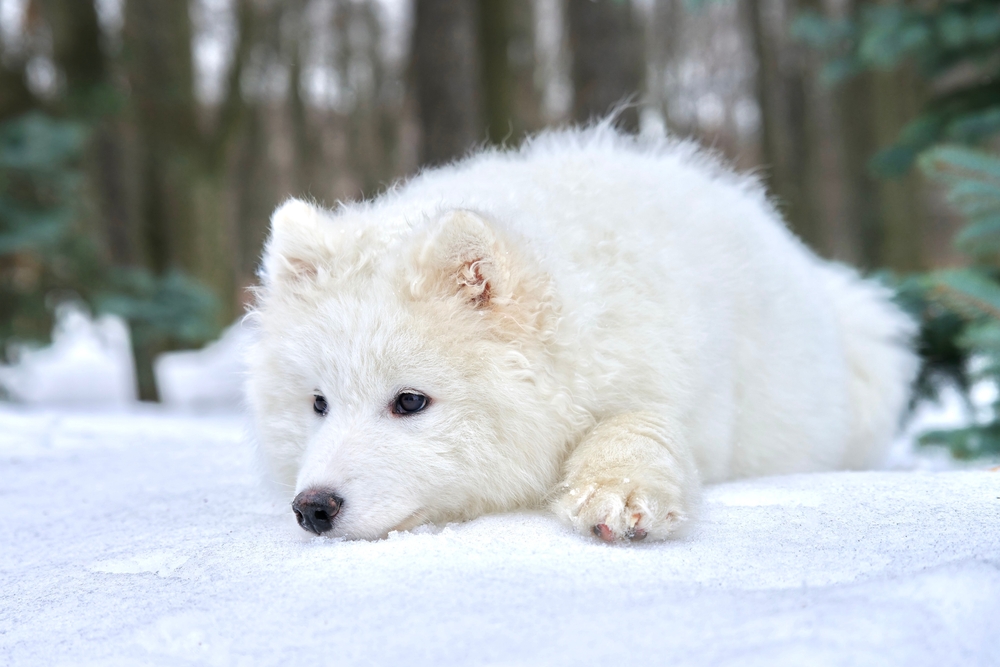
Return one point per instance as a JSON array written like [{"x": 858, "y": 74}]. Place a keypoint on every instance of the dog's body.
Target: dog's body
[{"x": 589, "y": 322}]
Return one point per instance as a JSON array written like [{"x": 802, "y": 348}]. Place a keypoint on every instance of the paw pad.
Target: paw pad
[{"x": 602, "y": 531}]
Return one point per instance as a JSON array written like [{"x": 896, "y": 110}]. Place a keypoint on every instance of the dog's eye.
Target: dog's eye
[
  {"x": 408, "y": 402},
  {"x": 320, "y": 406}
]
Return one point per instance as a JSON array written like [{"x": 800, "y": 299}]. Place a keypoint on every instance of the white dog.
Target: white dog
[{"x": 593, "y": 321}]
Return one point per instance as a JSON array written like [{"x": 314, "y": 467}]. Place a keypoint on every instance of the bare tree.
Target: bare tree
[
  {"x": 76, "y": 45},
  {"x": 446, "y": 76},
  {"x": 179, "y": 161},
  {"x": 15, "y": 96},
  {"x": 885, "y": 219},
  {"x": 862, "y": 239},
  {"x": 512, "y": 103},
  {"x": 607, "y": 59},
  {"x": 786, "y": 75},
  {"x": 897, "y": 99},
  {"x": 89, "y": 93}
]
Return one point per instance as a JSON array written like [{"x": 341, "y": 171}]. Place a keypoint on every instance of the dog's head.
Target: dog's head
[{"x": 404, "y": 369}]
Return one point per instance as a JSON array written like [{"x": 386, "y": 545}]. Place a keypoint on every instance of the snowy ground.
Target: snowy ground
[{"x": 139, "y": 536}]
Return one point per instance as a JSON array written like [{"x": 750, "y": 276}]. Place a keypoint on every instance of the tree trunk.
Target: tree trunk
[
  {"x": 446, "y": 76},
  {"x": 666, "y": 21},
  {"x": 607, "y": 60},
  {"x": 256, "y": 194},
  {"x": 369, "y": 143},
  {"x": 789, "y": 143},
  {"x": 180, "y": 170},
  {"x": 863, "y": 237},
  {"x": 885, "y": 220},
  {"x": 144, "y": 352},
  {"x": 157, "y": 43},
  {"x": 510, "y": 96},
  {"x": 15, "y": 96},
  {"x": 306, "y": 148},
  {"x": 76, "y": 46},
  {"x": 89, "y": 94},
  {"x": 896, "y": 102},
  {"x": 185, "y": 218}
]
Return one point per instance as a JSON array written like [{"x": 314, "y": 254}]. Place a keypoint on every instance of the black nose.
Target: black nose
[{"x": 316, "y": 508}]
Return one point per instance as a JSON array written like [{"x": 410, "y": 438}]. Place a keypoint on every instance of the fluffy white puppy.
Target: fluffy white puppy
[{"x": 593, "y": 321}]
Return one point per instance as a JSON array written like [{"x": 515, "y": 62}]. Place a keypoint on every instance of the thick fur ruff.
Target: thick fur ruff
[{"x": 601, "y": 324}]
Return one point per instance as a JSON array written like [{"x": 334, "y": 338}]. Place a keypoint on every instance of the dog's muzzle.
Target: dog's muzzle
[{"x": 315, "y": 509}]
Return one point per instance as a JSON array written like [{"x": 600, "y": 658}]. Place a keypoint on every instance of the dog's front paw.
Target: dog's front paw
[{"x": 623, "y": 509}]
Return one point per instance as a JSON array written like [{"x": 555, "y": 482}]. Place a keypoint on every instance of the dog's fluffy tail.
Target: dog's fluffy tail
[{"x": 878, "y": 347}]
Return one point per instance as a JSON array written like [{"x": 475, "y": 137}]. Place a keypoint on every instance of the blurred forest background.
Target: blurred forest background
[{"x": 144, "y": 143}]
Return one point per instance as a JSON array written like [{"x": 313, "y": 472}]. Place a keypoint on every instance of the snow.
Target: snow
[
  {"x": 135, "y": 534},
  {"x": 141, "y": 536},
  {"x": 88, "y": 363},
  {"x": 209, "y": 379}
]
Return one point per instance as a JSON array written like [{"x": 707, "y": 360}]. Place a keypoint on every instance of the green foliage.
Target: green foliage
[
  {"x": 34, "y": 181},
  {"x": 38, "y": 179},
  {"x": 955, "y": 44},
  {"x": 960, "y": 308},
  {"x": 161, "y": 310},
  {"x": 46, "y": 257},
  {"x": 944, "y": 361}
]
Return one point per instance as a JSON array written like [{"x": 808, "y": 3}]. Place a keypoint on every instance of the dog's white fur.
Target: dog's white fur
[{"x": 602, "y": 324}]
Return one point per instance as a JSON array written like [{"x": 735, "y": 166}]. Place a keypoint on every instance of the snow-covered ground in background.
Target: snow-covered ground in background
[
  {"x": 89, "y": 364},
  {"x": 134, "y": 534},
  {"x": 208, "y": 379}
]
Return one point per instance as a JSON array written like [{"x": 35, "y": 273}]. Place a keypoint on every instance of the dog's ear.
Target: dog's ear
[
  {"x": 296, "y": 246},
  {"x": 463, "y": 255}
]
